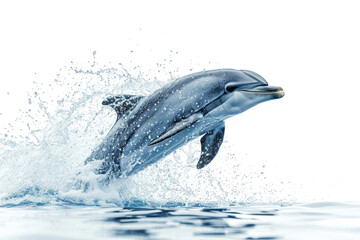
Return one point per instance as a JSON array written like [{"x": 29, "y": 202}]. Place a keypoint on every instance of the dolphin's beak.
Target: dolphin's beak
[{"x": 276, "y": 92}]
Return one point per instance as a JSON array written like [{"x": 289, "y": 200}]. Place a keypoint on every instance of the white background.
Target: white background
[{"x": 310, "y": 48}]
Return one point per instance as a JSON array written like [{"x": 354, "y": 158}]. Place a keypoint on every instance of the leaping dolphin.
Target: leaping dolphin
[{"x": 151, "y": 127}]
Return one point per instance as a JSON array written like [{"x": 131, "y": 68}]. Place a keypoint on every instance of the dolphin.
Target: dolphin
[{"x": 149, "y": 128}]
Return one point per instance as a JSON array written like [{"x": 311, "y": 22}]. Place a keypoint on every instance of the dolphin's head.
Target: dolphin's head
[{"x": 244, "y": 89}]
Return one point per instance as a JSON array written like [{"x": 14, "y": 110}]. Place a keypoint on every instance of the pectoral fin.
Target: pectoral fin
[
  {"x": 177, "y": 127},
  {"x": 210, "y": 145},
  {"x": 122, "y": 103}
]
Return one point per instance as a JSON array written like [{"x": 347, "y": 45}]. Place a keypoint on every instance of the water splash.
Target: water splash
[{"x": 44, "y": 149}]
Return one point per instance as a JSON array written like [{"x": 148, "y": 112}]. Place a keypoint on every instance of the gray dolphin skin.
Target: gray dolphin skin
[{"x": 150, "y": 127}]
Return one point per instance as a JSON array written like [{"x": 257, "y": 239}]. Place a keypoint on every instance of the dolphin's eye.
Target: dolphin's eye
[{"x": 230, "y": 87}]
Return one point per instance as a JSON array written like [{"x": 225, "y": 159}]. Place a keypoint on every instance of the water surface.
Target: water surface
[{"x": 69, "y": 222}]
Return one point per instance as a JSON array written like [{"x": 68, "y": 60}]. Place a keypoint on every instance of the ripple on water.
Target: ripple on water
[{"x": 308, "y": 221}]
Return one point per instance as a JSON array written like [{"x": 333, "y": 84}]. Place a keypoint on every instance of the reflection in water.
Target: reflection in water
[
  {"x": 196, "y": 221},
  {"x": 320, "y": 221}
]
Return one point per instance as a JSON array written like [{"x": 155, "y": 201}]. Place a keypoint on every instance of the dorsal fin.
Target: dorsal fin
[{"x": 122, "y": 103}]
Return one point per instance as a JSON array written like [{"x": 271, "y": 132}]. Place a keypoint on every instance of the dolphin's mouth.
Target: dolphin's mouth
[{"x": 276, "y": 92}]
